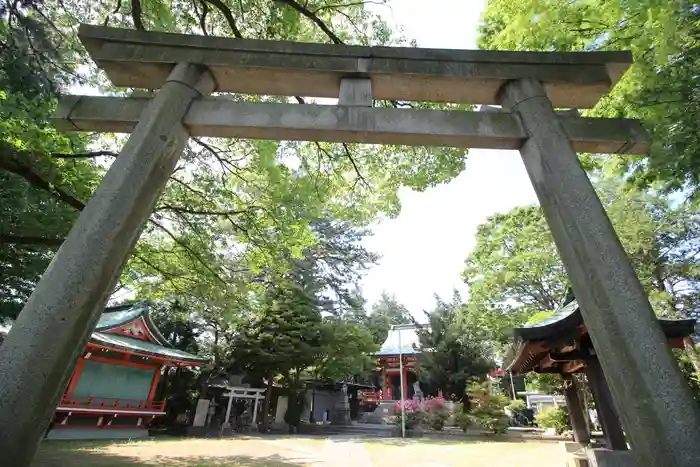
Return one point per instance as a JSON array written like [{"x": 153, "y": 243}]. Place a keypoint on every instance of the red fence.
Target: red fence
[
  {"x": 110, "y": 404},
  {"x": 370, "y": 398}
]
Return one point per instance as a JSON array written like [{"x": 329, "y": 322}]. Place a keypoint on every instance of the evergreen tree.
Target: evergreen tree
[
  {"x": 281, "y": 340},
  {"x": 450, "y": 353},
  {"x": 386, "y": 312}
]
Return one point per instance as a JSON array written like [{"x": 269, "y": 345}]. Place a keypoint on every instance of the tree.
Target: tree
[
  {"x": 661, "y": 88},
  {"x": 282, "y": 340},
  {"x": 39, "y": 187},
  {"x": 174, "y": 321},
  {"x": 386, "y": 312},
  {"x": 450, "y": 354},
  {"x": 230, "y": 206},
  {"x": 347, "y": 350},
  {"x": 514, "y": 271}
]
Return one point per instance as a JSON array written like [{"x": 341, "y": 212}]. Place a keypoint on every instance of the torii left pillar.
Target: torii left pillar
[{"x": 54, "y": 326}]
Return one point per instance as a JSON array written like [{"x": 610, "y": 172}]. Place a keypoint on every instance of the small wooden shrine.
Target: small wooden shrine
[
  {"x": 401, "y": 342},
  {"x": 561, "y": 344},
  {"x": 112, "y": 393}
]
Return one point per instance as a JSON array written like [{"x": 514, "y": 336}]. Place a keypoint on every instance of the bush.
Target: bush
[
  {"x": 488, "y": 407},
  {"x": 433, "y": 412},
  {"x": 415, "y": 414},
  {"x": 436, "y": 413},
  {"x": 463, "y": 420},
  {"x": 516, "y": 405},
  {"x": 554, "y": 417},
  {"x": 437, "y": 419}
]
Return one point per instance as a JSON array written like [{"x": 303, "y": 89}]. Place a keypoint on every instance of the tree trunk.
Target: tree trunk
[{"x": 266, "y": 405}]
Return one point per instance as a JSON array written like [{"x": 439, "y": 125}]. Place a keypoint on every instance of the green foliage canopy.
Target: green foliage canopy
[
  {"x": 515, "y": 274},
  {"x": 451, "y": 354},
  {"x": 234, "y": 211},
  {"x": 661, "y": 88}
]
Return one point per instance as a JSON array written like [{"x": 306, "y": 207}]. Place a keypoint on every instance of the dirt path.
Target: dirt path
[{"x": 334, "y": 451}]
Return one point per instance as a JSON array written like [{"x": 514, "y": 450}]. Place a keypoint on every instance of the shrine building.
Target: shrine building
[
  {"x": 401, "y": 341},
  {"x": 112, "y": 393},
  {"x": 562, "y": 345}
]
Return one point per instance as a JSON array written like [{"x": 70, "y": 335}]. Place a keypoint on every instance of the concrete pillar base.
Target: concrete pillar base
[{"x": 609, "y": 458}]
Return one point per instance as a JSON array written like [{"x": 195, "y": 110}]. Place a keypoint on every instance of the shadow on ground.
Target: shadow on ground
[
  {"x": 64, "y": 454},
  {"x": 448, "y": 441}
]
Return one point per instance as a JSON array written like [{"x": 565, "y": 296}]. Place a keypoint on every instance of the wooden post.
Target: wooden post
[
  {"x": 255, "y": 408},
  {"x": 607, "y": 415},
  {"x": 405, "y": 382},
  {"x": 154, "y": 384},
  {"x": 227, "y": 422},
  {"x": 76, "y": 376},
  {"x": 41, "y": 351},
  {"x": 653, "y": 399},
  {"x": 385, "y": 389},
  {"x": 576, "y": 416}
]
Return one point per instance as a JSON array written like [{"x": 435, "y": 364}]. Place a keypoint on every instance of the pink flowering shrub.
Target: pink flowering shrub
[
  {"x": 432, "y": 412},
  {"x": 437, "y": 403},
  {"x": 409, "y": 406},
  {"x": 436, "y": 413}
]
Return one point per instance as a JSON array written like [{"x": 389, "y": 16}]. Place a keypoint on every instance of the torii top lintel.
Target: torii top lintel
[{"x": 143, "y": 59}]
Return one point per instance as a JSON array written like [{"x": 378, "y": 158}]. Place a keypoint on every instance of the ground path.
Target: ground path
[{"x": 301, "y": 451}]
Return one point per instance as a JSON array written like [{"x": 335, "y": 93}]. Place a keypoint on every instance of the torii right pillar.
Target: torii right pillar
[{"x": 653, "y": 399}]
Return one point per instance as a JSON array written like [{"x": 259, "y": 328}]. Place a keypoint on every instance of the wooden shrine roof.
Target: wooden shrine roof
[{"x": 561, "y": 344}]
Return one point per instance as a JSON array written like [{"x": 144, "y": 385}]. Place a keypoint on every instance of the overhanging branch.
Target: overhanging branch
[
  {"x": 187, "y": 248},
  {"x": 9, "y": 163},
  {"x": 136, "y": 12},
  {"x": 84, "y": 155},
  {"x": 52, "y": 243},
  {"x": 360, "y": 177},
  {"x": 226, "y": 11},
  {"x": 202, "y": 212},
  {"x": 313, "y": 17}
]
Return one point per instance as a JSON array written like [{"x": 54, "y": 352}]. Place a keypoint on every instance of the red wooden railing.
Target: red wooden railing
[
  {"x": 69, "y": 401},
  {"x": 370, "y": 397}
]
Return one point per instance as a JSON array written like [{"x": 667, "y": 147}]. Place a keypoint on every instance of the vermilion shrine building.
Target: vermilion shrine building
[
  {"x": 112, "y": 393},
  {"x": 399, "y": 342}
]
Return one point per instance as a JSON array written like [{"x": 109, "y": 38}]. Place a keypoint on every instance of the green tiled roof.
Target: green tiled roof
[
  {"x": 142, "y": 347},
  {"x": 117, "y": 316},
  {"x": 561, "y": 313},
  {"x": 113, "y": 317}
]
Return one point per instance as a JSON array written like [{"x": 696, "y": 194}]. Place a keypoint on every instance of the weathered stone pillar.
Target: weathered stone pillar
[
  {"x": 52, "y": 330},
  {"x": 607, "y": 414},
  {"x": 576, "y": 416},
  {"x": 653, "y": 399}
]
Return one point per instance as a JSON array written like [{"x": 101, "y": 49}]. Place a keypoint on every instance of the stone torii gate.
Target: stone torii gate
[{"x": 652, "y": 398}]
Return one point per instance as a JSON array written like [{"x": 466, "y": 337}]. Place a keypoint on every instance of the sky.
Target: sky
[{"x": 424, "y": 248}]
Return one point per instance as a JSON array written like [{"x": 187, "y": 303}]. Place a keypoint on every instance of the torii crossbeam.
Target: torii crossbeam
[{"x": 654, "y": 402}]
